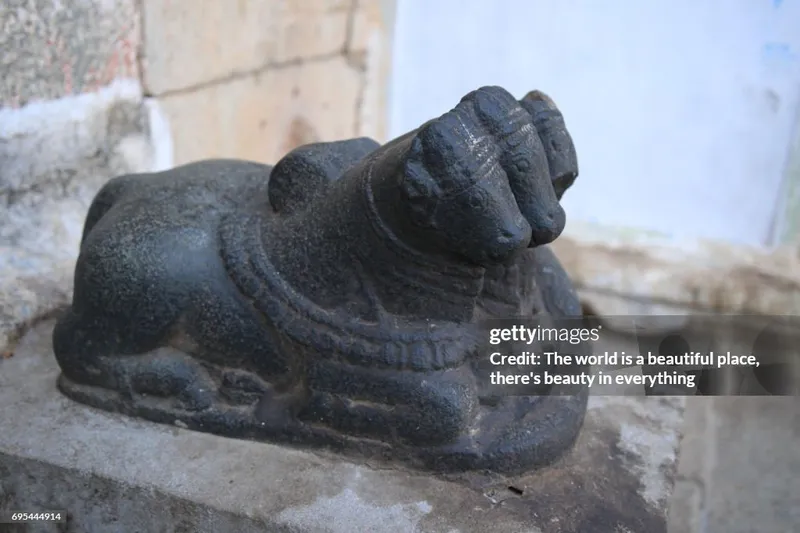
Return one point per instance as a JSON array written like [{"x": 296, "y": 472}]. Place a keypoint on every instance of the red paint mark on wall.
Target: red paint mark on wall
[
  {"x": 121, "y": 60},
  {"x": 128, "y": 48},
  {"x": 66, "y": 69}
]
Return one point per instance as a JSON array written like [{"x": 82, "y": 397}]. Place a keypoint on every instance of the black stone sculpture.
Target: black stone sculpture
[{"x": 333, "y": 300}]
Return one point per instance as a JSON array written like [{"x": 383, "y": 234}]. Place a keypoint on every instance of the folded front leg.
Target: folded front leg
[{"x": 418, "y": 409}]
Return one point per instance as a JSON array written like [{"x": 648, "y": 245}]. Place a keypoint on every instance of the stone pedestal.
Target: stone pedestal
[{"x": 113, "y": 473}]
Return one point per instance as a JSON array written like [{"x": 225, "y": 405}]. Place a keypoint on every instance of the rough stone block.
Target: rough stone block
[
  {"x": 263, "y": 116},
  {"x": 113, "y": 473},
  {"x": 189, "y": 42},
  {"x": 56, "y": 49}
]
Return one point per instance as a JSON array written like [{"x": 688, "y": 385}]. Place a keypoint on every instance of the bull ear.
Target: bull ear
[{"x": 420, "y": 189}]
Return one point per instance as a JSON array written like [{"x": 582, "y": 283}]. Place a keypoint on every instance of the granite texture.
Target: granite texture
[{"x": 57, "y": 49}]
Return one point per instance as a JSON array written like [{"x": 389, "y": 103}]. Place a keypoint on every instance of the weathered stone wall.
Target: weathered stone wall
[
  {"x": 96, "y": 88},
  {"x": 253, "y": 79}
]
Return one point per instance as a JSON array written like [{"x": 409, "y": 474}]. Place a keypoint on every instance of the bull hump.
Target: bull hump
[{"x": 407, "y": 345}]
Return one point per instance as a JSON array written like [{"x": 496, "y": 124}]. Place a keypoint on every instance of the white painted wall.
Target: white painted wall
[{"x": 682, "y": 110}]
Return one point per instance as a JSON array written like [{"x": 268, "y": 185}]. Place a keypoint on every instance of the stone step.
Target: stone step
[{"x": 113, "y": 473}]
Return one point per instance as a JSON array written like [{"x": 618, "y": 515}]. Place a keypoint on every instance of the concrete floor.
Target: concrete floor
[{"x": 739, "y": 467}]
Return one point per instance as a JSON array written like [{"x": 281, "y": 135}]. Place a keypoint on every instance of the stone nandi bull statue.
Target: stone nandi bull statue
[{"x": 333, "y": 299}]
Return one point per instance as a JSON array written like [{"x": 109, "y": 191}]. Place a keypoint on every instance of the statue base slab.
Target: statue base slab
[{"x": 111, "y": 472}]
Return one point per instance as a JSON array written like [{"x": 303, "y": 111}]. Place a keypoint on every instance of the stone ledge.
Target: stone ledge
[
  {"x": 107, "y": 469},
  {"x": 630, "y": 272}
]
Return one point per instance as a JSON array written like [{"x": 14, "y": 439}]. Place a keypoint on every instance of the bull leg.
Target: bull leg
[
  {"x": 421, "y": 409},
  {"x": 89, "y": 359}
]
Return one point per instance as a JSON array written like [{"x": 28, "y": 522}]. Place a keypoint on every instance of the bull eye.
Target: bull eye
[
  {"x": 416, "y": 184},
  {"x": 521, "y": 164},
  {"x": 477, "y": 201}
]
